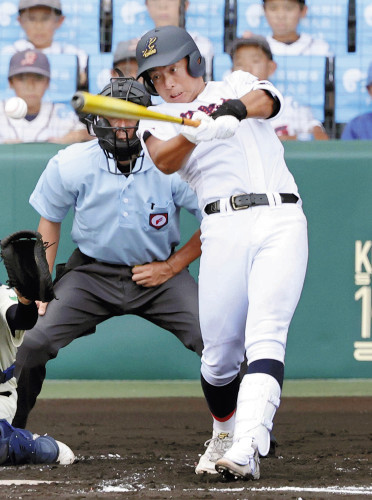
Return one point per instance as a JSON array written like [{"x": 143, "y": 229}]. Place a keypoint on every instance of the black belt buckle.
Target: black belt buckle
[{"x": 233, "y": 204}]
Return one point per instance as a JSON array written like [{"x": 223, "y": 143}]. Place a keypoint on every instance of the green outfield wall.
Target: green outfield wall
[{"x": 330, "y": 336}]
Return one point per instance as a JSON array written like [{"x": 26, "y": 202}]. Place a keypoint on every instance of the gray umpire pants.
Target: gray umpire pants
[{"x": 90, "y": 294}]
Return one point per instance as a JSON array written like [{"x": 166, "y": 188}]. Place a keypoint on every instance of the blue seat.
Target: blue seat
[
  {"x": 364, "y": 27},
  {"x": 325, "y": 19},
  {"x": 352, "y": 97},
  {"x": 99, "y": 74},
  {"x": 222, "y": 65},
  {"x": 303, "y": 78},
  {"x": 328, "y": 20},
  {"x": 251, "y": 17},
  {"x": 82, "y": 25},
  {"x": 63, "y": 81},
  {"x": 206, "y": 17},
  {"x": 130, "y": 20},
  {"x": 80, "y": 28}
]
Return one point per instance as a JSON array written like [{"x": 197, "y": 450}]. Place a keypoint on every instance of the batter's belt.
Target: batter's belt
[{"x": 242, "y": 201}]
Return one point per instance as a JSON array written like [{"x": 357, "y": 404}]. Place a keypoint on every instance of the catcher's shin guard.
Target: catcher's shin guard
[
  {"x": 19, "y": 446},
  {"x": 258, "y": 399}
]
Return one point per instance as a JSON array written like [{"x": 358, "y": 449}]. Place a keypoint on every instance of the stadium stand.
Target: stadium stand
[
  {"x": 63, "y": 82},
  {"x": 326, "y": 19},
  {"x": 99, "y": 75},
  {"x": 363, "y": 14},
  {"x": 351, "y": 96},
  {"x": 81, "y": 26},
  {"x": 304, "y": 78},
  {"x": 130, "y": 19}
]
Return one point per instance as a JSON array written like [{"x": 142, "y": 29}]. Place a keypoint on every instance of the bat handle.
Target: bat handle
[{"x": 190, "y": 123}]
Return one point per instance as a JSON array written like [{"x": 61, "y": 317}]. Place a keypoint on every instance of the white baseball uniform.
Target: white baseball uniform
[
  {"x": 53, "y": 120},
  {"x": 8, "y": 349},
  {"x": 253, "y": 261},
  {"x": 306, "y": 45}
]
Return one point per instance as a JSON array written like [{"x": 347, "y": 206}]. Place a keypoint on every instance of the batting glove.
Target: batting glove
[
  {"x": 206, "y": 131},
  {"x": 226, "y": 126},
  {"x": 209, "y": 129}
]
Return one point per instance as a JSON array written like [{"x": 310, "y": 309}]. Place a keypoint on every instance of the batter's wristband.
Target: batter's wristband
[{"x": 233, "y": 107}]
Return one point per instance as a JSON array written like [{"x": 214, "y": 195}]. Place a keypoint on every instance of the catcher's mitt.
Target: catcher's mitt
[{"x": 24, "y": 257}]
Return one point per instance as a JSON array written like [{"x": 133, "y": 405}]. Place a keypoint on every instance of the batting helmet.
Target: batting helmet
[
  {"x": 122, "y": 150},
  {"x": 166, "y": 45}
]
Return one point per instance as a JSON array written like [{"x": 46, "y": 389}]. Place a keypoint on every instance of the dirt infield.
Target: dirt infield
[{"x": 147, "y": 449}]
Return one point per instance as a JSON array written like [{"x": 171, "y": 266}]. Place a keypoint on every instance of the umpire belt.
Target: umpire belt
[{"x": 243, "y": 201}]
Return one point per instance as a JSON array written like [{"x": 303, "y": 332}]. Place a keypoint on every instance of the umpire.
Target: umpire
[{"x": 126, "y": 228}]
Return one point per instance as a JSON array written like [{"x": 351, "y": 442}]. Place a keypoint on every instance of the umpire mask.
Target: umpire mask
[{"x": 127, "y": 148}]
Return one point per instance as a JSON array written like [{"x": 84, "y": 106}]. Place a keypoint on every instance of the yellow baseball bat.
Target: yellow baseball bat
[{"x": 119, "y": 108}]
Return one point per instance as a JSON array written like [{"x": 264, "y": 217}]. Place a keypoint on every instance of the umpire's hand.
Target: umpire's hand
[{"x": 152, "y": 274}]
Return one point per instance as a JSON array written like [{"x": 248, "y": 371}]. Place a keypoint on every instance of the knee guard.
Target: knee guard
[
  {"x": 258, "y": 399},
  {"x": 19, "y": 446}
]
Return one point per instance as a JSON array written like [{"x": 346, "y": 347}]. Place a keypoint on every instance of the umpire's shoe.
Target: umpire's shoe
[{"x": 229, "y": 469}]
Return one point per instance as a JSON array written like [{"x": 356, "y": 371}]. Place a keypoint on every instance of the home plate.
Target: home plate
[{"x": 8, "y": 482}]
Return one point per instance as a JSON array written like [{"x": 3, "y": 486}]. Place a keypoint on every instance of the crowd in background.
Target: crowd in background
[{"x": 266, "y": 54}]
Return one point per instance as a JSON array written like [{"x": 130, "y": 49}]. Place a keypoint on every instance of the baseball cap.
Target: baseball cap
[
  {"x": 369, "y": 75},
  {"x": 29, "y": 61},
  {"x": 125, "y": 50},
  {"x": 27, "y": 4},
  {"x": 253, "y": 41}
]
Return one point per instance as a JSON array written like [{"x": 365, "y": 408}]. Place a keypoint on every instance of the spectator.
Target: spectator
[
  {"x": 284, "y": 17},
  {"x": 40, "y": 19},
  {"x": 360, "y": 127},
  {"x": 167, "y": 13},
  {"x": 296, "y": 121},
  {"x": 125, "y": 58},
  {"x": 29, "y": 77}
]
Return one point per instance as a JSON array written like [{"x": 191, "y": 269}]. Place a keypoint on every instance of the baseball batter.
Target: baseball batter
[{"x": 254, "y": 236}]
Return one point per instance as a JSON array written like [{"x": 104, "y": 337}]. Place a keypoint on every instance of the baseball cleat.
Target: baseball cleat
[
  {"x": 66, "y": 456},
  {"x": 216, "y": 448},
  {"x": 232, "y": 470}
]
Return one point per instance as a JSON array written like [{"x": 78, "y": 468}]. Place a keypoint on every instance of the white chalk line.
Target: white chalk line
[
  {"x": 9, "y": 482},
  {"x": 348, "y": 490}
]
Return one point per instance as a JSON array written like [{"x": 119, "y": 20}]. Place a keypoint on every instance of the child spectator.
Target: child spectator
[
  {"x": 295, "y": 121},
  {"x": 167, "y": 13},
  {"x": 40, "y": 19},
  {"x": 125, "y": 58},
  {"x": 360, "y": 127},
  {"x": 284, "y": 16},
  {"x": 29, "y": 77}
]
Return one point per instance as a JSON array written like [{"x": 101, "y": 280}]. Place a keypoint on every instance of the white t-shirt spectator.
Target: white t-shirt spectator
[{"x": 306, "y": 45}]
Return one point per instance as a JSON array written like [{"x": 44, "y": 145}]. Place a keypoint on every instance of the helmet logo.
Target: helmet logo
[
  {"x": 158, "y": 220},
  {"x": 150, "y": 48}
]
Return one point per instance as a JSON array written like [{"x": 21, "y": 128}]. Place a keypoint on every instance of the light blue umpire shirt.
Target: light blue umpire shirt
[{"x": 117, "y": 219}]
